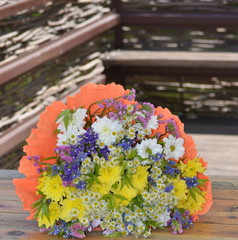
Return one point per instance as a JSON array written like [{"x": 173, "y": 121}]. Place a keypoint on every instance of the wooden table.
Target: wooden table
[{"x": 220, "y": 223}]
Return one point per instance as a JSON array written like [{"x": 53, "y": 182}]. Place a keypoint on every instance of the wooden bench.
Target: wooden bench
[{"x": 220, "y": 223}]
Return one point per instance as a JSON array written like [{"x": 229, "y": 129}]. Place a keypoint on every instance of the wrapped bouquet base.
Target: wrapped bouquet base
[{"x": 103, "y": 160}]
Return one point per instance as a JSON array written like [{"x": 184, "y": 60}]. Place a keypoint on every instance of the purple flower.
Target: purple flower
[{"x": 77, "y": 230}]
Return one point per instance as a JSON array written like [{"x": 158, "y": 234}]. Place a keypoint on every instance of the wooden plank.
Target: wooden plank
[
  {"x": 176, "y": 63},
  {"x": 17, "y": 134},
  {"x": 16, "y": 7},
  {"x": 57, "y": 47},
  {"x": 220, "y": 151},
  {"x": 172, "y": 59},
  {"x": 179, "y": 19},
  {"x": 219, "y": 223}
]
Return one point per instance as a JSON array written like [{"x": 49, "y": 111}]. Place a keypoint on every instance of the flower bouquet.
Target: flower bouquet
[{"x": 104, "y": 161}]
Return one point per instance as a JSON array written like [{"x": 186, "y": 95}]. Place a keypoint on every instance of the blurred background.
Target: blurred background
[{"x": 179, "y": 54}]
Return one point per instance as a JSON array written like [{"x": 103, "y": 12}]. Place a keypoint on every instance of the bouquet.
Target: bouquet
[{"x": 104, "y": 161}]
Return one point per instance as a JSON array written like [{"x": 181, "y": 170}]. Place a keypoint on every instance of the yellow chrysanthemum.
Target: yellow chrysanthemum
[
  {"x": 191, "y": 168},
  {"x": 193, "y": 205},
  {"x": 54, "y": 212},
  {"x": 139, "y": 179},
  {"x": 180, "y": 189},
  {"x": 127, "y": 191},
  {"x": 52, "y": 187},
  {"x": 108, "y": 176},
  {"x": 72, "y": 209}
]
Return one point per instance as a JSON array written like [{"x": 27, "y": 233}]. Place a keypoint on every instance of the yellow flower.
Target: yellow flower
[
  {"x": 72, "y": 209},
  {"x": 54, "y": 212},
  {"x": 108, "y": 176},
  {"x": 191, "y": 168},
  {"x": 127, "y": 192},
  {"x": 52, "y": 187},
  {"x": 180, "y": 189},
  {"x": 193, "y": 205},
  {"x": 139, "y": 179}
]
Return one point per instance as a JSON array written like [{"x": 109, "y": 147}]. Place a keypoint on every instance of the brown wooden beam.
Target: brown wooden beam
[
  {"x": 12, "y": 137},
  {"x": 180, "y": 19},
  {"x": 171, "y": 71},
  {"x": 14, "y": 8},
  {"x": 57, "y": 47}
]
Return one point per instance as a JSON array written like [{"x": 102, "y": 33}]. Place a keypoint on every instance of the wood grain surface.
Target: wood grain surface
[{"x": 221, "y": 222}]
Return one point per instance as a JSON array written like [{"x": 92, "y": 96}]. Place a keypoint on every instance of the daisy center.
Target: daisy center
[{"x": 172, "y": 148}]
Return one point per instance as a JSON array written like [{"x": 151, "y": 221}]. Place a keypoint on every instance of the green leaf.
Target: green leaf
[
  {"x": 115, "y": 234},
  {"x": 115, "y": 185},
  {"x": 63, "y": 114},
  {"x": 192, "y": 193},
  {"x": 147, "y": 108},
  {"x": 132, "y": 154},
  {"x": 56, "y": 131},
  {"x": 198, "y": 191},
  {"x": 201, "y": 182},
  {"x": 49, "y": 158},
  {"x": 120, "y": 196},
  {"x": 37, "y": 203}
]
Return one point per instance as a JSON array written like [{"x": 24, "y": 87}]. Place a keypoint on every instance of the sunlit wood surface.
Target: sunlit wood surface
[
  {"x": 221, "y": 153},
  {"x": 220, "y": 223}
]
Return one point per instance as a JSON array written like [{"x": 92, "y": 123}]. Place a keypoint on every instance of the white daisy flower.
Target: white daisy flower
[
  {"x": 107, "y": 129},
  {"x": 173, "y": 147},
  {"x": 148, "y": 147},
  {"x": 77, "y": 121}
]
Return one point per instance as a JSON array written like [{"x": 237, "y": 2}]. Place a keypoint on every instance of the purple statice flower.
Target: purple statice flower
[
  {"x": 77, "y": 230},
  {"x": 34, "y": 158},
  {"x": 151, "y": 181},
  {"x": 169, "y": 188},
  {"x": 101, "y": 105},
  {"x": 87, "y": 142},
  {"x": 70, "y": 172},
  {"x": 105, "y": 152},
  {"x": 43, "y": 230},
  {"x": 157, "y": 157},
  {"x": 142, "y": 120},
  {"x": 131, "y": 96},
  {"x": 172, "y": 127},
  {"x": 58, "y": 227},
  {"x": 191, "y": 182},
  {"x": 179, "y": 221},
  {"x": 171, "y": 169},
  {"x": 76, "y": 153},
  {"x": 55, "y": 169},
  {"x": 117, "y": 107},
  {"x": 64, "y": 153},
  {"x": 81, "y": 185},
  {"x": 148, "y": 109},
  {"x": 126, "y": 144}
]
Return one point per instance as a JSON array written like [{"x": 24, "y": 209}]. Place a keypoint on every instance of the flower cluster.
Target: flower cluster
[{"x": 114, "y": 168}]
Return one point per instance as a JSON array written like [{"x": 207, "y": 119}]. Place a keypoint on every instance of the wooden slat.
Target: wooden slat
[
  {"x": 17, "y": 134},
  {"x": 172, "y": 63},
  {"x": 55, "y": 48},
  {"x": 179, "y": 19},
  {"x": 16, "y": 7},
  {"x": 219, "y": 223},
  {"x": 172, "y": 59}
]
